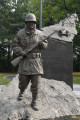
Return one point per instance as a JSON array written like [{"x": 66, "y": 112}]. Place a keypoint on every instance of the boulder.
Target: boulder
[{"x": 56, "y": 99}]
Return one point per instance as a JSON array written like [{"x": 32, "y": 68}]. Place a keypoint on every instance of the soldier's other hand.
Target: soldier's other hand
[{"x": 23, "y": 54}]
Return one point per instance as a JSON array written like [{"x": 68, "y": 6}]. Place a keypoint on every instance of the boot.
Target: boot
[
  {"x": 20, "y": 96},
  {"x": 34, "y": 105}
]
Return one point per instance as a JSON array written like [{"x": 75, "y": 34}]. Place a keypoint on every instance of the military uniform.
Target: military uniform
[
  {"x": 33, "y": 63},
  {"x": 30, "y": 67}
]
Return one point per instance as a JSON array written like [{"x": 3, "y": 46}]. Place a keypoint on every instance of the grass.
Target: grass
[
  {"x": 76, "y": 77},
  {"x": 4, "y": 81}
]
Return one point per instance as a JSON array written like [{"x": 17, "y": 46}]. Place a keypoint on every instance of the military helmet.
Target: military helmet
[{"x": 30, "y": 17}]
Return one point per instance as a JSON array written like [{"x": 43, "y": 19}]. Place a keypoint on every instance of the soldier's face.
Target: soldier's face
[{"x": 30, "y": 24}]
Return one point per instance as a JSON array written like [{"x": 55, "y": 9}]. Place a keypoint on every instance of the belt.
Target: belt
[{"x": 34, "y": 55}]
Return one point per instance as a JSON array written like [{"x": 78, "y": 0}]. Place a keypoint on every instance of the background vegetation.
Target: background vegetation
[
  {"x": 12, "y": 14},
  {"x": 76, "y": 78},
  {"x": 3, "y": 79}
]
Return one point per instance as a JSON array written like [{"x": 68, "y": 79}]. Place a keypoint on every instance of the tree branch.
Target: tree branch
[{"x": 65, "y": 5}]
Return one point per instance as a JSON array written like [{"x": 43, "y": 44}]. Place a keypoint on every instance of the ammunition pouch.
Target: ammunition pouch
[{"x": 34, "y": 55}]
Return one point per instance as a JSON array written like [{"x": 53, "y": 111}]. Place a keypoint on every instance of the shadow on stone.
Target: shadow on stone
[{"x": 70, "y": 117}]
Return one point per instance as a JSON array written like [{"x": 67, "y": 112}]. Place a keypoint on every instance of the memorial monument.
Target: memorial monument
[
  {"x": 58, "y": 58},
  {"x": 56, "y": 98}
]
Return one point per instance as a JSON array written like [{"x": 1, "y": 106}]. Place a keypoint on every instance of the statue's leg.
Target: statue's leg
[
  {"x": 23, "y": 83},
  {"x": 35, "y": 80}
]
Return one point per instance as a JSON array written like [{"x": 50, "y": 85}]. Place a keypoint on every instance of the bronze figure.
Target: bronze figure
[{"x": 30, "y": 66}]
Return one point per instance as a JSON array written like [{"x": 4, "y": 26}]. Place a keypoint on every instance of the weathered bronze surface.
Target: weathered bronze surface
[{"x": 30, "y": 66}]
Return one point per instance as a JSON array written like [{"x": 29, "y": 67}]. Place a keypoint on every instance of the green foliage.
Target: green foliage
[
  {"x": 3, "y": 80},
  {"x": 12, "y": 17},
  {"x": 76, "y": 78},
  {"x": 58, "y": 9}
]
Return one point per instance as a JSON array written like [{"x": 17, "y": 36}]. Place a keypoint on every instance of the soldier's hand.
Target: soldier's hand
[
  {"x": 23, "y": 54},
  {"x": 40, "y": 44}
]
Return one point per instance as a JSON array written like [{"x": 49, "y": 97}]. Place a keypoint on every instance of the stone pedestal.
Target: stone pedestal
[{"x": 56, "y": 99}]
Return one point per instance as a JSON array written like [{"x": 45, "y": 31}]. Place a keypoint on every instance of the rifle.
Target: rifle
[{"x": 17, "y": 60}]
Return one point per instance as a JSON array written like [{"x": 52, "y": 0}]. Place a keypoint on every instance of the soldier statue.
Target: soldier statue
[{"x": 30, "y": 67}]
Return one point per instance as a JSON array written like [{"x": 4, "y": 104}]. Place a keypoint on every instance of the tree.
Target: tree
[
  {"x": 57, "y": 10},
  {"x": 12, "y": 17}
]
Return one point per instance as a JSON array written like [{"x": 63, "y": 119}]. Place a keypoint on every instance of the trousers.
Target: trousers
[{"x": 35, "y": 84}]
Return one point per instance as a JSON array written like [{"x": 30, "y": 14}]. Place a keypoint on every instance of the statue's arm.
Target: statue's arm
[
  {"x": 16, "y": 46},
  {"x": 43, "y": 43}
]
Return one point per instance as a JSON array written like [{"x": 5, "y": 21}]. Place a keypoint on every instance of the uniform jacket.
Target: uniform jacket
[{"x": 32, "y": 64}]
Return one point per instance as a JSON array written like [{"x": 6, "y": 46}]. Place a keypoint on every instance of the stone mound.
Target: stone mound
[{"x": 56, "y": 99}]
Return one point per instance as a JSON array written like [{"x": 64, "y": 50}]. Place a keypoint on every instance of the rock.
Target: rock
[
  {"x": 56, "y": 99},
  {"x": 65, "y": 30}
]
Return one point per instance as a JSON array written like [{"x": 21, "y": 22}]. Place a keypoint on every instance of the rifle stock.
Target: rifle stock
[{"x": 17, "y": 60}]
